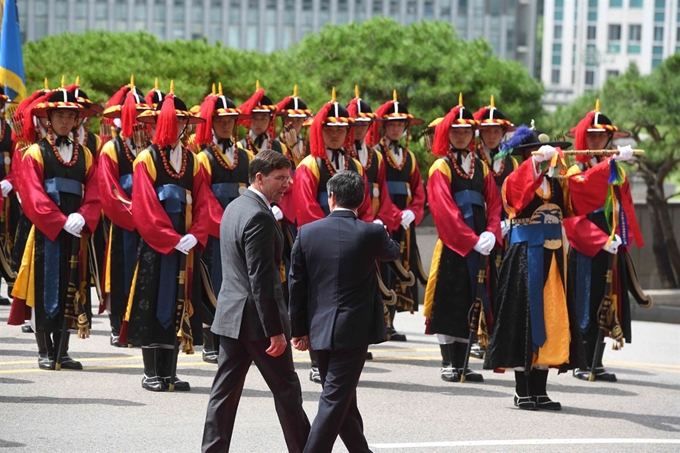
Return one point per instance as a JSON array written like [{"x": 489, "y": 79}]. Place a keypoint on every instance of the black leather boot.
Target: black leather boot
[
  {"x": 26, "y": 328},
  {"x": 45, "y": 351},
  {"x": 210, "y": 352},
  {"x": 116, "y": 323},
  {"x": 165, "y": 366},
  {"x": 448, "y": 372},
  {"x": 522, "y": 398},
  {"x": 314, "y": 374},
  {"x": 459, "y": 361},
  {"x": 151, "y": 381},
  {"x": 67, "y": 363},
  {"x": 537, "y": 388}
]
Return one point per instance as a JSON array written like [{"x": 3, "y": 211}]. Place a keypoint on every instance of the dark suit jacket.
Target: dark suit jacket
[
  {"x": 250, "y": 305},
  {"x": 334, "y": 294}
]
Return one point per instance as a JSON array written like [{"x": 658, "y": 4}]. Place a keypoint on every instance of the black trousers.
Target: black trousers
[
  {"x": 278, "y": 372},
  {"x": 338, "y": 413}
]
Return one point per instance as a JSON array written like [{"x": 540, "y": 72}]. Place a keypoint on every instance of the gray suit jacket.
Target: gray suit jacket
[{"x": 250, "y": 305}]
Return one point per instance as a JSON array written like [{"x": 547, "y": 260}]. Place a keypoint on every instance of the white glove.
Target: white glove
[
  {"x": 185, "y": 244},
  {"x": 614, "y": 246},
  {"x": 378, "y": 221},
  {"x": 278, "y": 215},
  {"x": 505, "y": 228},
  {"x": 74, "y": 224},
  {"x": 6, "y": 187},
  {"x": 545, "y": 153},
  {"x": 407, "y": 217},
  {"x": 490, "y": 240},
  {"x": 625, "y": 153}
]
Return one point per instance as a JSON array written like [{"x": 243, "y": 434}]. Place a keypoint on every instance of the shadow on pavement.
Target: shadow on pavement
[
  {"x": 10, "y": 444},
  {"x": 14, "y": 381},
  {"x": 468, "y": 389},
  {"x": 69, "y": 401},
  {"x": 658, "y": 422},
  {"x": 28, "y": 339}
]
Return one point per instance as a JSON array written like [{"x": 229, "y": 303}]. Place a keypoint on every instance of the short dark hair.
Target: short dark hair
[
  {"x": 265, "y": 162},
  {"x": 348, "y": 187}
]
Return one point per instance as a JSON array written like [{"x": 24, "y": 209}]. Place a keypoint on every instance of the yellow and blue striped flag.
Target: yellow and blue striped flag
[{"x": 11, "y": 60}]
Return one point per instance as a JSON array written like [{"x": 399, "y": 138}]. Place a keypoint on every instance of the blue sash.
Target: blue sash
[
  {"x": 322, "y": 198},
  {"x": 56, "y": 185},
  {"x": 465, "y": 199},
  {"x": 226, "y": 192},
  {"x": 535, "y": 235},
  {"x": 397, "y": 188},
  {"x": 125, "y": 182},
  {"x": 173, "y": 197}
]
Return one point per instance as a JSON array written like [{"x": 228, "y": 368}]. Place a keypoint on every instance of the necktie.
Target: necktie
[
  {"x": 225, "y": 143},
  {"x": 62, "y": 141},
  {"x": 259, "y": 140},
  {"x": 336, "y": 157}
]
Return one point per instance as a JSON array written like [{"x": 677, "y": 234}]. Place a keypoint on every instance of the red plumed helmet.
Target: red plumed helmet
[
  {"x": 128, "y": 114},
  {"x": 581, "y": 134},
  {"x": 316, "y": 144},
  {"x": 441, "y": 145},
  {"x": 118, "y": 96},
  {"x": 204, "y": 131},
  {"x": 166, "y": 123}
]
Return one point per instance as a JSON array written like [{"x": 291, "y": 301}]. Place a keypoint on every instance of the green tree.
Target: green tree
[{"x": 649, "y": 107}]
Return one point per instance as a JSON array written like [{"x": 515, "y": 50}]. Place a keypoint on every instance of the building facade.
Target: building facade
[
  {"x": 269, "y": 25},
  {"x": 587, "y": 41}
]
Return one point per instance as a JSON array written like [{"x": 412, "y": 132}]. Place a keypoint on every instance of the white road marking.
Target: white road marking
[{"x": 497, "y": 443}]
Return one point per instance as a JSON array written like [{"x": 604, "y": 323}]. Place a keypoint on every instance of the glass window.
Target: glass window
[
  {"x": 590, "y": 78},
  {"x": 592, "y": 16},
  {"x": 656, "y": 62},
  {"x": 215, "y": 27},
  {"x": 178, "y": 20},
  {"x": 101, "y": 14},
  {"x": 289, "y": 13},
  {"x": 377, "y": 7},
  {"x": 614, "y": 48},
  {"x": 612, "y": 73},
  {"x": 614, "y": 32},
  {"x": 557, "y": 48},
  {"x": 556, "y": 60},
  {"x": 634, "y": 48},
  {"x": 634, "y": 32},
  {"x": 139, "y": 15},
  {"x": 592, "y": 32},
  {"x": 342, "y": 15},
  {"x": 324, "y": 13},
  {"x": 394, "y": 10},
  {"x": 253, "y": 28},
  {"x": 592, "y": 3},
  {"x": 636, "y": 3},
  {"x": 557, "y": 32},
  {"x": 555, "y": 76},
  {"x": 445, "y": 12},
  {"x": 197, "y": 31},
  {"x": 660, "y": 3},
  {"x": 359, "y": 11},
  {"x": 657, "y": 51},
  {"x": 120, "y": 14},
  {"x": 558, "y": 15},
  {"x": 428, "y": 9},
  {"x": 615, "y": 3},
  {"x": 80, "y": 16},
  {"x": 658, "y": 33},
  {"x": 411, "y": 11},
  {"x": 559, "y": 3},
  {"x": 234, "y": 37}
]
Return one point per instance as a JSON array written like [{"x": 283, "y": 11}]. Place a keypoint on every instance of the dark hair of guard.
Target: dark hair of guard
[
  {"x": 348, "y": 187},
  {"x": 265, "y": 162}
]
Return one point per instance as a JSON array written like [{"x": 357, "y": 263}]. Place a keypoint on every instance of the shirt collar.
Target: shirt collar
[{"x": 261, "y": 195}]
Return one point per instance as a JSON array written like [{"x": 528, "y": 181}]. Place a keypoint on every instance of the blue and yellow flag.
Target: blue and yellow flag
[{"x": 11, "y": 60}]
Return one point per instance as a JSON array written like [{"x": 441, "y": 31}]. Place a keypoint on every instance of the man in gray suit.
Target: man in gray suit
[{"x": 251, "y": 317}]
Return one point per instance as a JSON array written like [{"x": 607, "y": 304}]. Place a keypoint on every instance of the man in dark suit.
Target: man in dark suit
[
  {"x": 336, "y": 305},
  {"x": 251, "y": 318}
]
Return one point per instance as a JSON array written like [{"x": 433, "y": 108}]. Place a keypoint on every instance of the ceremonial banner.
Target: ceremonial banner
[{"x": 11, "y": 60}]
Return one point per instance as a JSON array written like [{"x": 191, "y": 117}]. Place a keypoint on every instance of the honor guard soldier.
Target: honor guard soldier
[
  {"x": 10, "y": 204},
  {"x": 169, "y": 212},
  {"x": 531, "y": 287},
  {"x": 406, "y": 190},
  {"x": 60, "y": 196},
  {"x": 492, "y": 126},
  {"x": 293, "y": 112},
  {"x": 589, "y": 256},
  {"x": 226, "y": 167},
  {"x": 115, "y": 190},
  {"x": 466, "y": 210}
]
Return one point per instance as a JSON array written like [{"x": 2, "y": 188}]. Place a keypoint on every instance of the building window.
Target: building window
[
  {"x": 612, "y": 73},
  {"x": 656, "y": 62},
  {"x": 178, "y": 20},
  {"x": 660, "y": 3},
  {"x": 559, "y": 3},
  {"x": 81, "y": 16},
  {"x": 61, "y": 17},
  {"x": 615, "y": 3},
  {"x": 394, "y": 10},
  {"x": 121, "y": 13},
  {"x": 659, "y": 16},
  {"x": 614, "y": 38},
  {"x": 636, "y": 3},
  {"x": 139, "y": 17},
  {"x": 197, "y": 31},
  {"x": 592, "y": 4},
  {"x": 657, "y": 51},
  {"x": 556, "y": 60},
  {"x": 555, "y": 77},
  {"x": 215, "y": 14},
  {"x": 253, "y": 28},
  {"x": 590, "y": 78},
  {"x": 377, "y": 7},
  {"x": 592, "y": 16},
  {"x": 557, "y": 32},
  {"x": 462, "y": 7},
  {"x": 101, "y": 14},
  {"x": 658, "y": 34},
  {"x": 359, "y": 11},
  {"x": 158, "y": 18},
  {"x": 558, "y": 15},
  {"x": 324, "y": 12},
  {"x": 634, "y": 33},
  {"x": 411, "y": 11},
  {"x": 288, "y": 23},
  {"x": 234, "y": 37},
  {"x": 270, "y": 30},
  {"x": 342, "y": 16},
  {"x": 592, "y": 32},
  {"x": 428, "y": 9}
]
